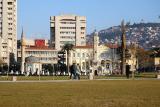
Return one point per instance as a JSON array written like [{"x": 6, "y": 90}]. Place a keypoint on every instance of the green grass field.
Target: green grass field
[{"x": 122, "y": 93}]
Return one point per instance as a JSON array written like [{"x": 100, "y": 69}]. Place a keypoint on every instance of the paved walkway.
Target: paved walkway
[{"x": 47, "y": 81}]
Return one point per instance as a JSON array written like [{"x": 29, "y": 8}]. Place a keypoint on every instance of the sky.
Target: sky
[{"x": 33, "y": 15}]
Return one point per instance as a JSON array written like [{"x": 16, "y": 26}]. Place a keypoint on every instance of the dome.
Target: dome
[{"x": 32, "y": 59}]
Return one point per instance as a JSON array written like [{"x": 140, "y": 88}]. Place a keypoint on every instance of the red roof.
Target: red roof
[
  {"x": 110, "y": 45},
  {"x": 84, "y": 47}
]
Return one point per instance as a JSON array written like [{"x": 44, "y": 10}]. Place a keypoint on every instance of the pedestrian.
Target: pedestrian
[
  {"x": 78, "y": 72},
  {"x": 91, "y": 72},
  {"x": 127, "y": 71},
  {"x": 72, "y": 71}
]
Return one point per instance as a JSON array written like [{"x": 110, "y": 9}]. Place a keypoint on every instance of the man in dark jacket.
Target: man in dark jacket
[
  {"x": 73, "y": 71},
  {"x": 127, "y": 70}
]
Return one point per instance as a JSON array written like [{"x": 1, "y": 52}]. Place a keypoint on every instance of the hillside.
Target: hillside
[{"x": 146, "y": 35}]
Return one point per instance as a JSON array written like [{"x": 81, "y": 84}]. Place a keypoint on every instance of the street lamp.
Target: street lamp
[
  {"x": 8, "y": 64},
  {"x": 112, "y": 55},
  {"x": 39, "y": 70}
]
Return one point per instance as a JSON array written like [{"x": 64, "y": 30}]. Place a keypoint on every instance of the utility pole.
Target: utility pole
[{"x": 123, "y": 47}]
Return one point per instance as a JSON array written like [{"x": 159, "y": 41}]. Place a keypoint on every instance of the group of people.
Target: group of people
[{"x": 75, "y": 71}]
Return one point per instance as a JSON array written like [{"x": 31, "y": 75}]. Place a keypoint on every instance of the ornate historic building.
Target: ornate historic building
[{"x": 33, "y": 54}]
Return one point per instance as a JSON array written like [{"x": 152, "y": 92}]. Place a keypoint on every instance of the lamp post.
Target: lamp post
[
  {"x": 39, "y": 71},
  {"x": 8, "y": 63},
  {"x": 112, "y": 56},
  {"x": 39, "y": 68}
]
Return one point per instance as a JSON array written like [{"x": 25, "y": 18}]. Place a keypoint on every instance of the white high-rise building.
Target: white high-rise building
[
  {"x": 67, "y": 29},
  {"x": 8, "y": 29}
]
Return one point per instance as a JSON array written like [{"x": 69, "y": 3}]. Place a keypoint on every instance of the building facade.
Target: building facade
[
  {"x": 33, "y": 54},
  {"x": 102, "y": 57},
  {"x": 8, "y": 29},
  {"x": 82, "y": 55},
  {"x": 67, "y": 29}
]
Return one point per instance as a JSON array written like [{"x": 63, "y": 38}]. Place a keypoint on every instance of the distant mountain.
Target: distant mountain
[{"x": 146, "y": 35}]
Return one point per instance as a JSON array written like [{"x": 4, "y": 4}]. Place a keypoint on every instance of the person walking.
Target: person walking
[
  {"x": 91, "y": 72},
  {"x": 78, "y": 72},
  {"x": 72, "y": 70},
  {"x": 127, "y": 71}
]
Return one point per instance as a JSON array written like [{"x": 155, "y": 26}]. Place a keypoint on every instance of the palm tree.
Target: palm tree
[
  {"x": 67, "y": 47},
  {"x": 123, "y": 46}
]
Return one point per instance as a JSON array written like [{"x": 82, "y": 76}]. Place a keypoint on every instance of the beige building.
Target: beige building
[
  {"x": 67, "y": 29},
  {"x": 33, "y": 54},
  {"x": 8, "y": 29},
  {"x": 156, "y": 63},
  {"x": 82, "y": 55},
  {"x": 86, "y": 56}
]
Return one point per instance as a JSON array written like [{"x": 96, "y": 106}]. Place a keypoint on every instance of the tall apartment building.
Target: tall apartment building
[
  {"x": 67, "y": 29},
  {"x": 8, "y": 29}
]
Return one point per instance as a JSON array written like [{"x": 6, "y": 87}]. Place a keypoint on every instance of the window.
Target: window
[
  {"x": 9, "y": 18},
  {"x": 74, "y": 55},
  {"x": 9, "y": 33},
  {"x": 67, "y": 32},
  {"x": 9, "y": 8},
  {"x": 4, "y": 46},
  {"x": 67, "y": 27},
  {"x": 9, "y": 28},
  {"x": 82, "y": 28},
  {"x": 83, "y": 55},
  {"x": 87, "y": 54},
  {"x": 9, "y": 3},
  {"x": 68, "y": 22},
  {"x": 9, "y": 23},
  {"x": 78, "y": 54},
  {"x": 9, "y": 13}
]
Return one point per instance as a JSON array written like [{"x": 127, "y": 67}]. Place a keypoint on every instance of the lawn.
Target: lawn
[{"x": 122, "y": 93}]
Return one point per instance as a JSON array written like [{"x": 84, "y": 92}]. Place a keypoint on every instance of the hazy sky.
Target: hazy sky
[{"x": 34, "y": 15}]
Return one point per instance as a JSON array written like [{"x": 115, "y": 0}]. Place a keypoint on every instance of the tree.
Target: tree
[
  {"x": 123, "y": 46},
  {"x": 5, "y": 67},
  {"x": 61, "y": 61},
  {"x": 67, "y": 47},
  {"x": 133, "y": 57},
  {"x": 144, "y": 59},
  {"x": 61, "y": 57},
  {"x": 17, "y": 66},
  {"x": 12, "y": 64},
  {"x": 1, "y": 65},
  {"x": 155, "y": 52}
]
